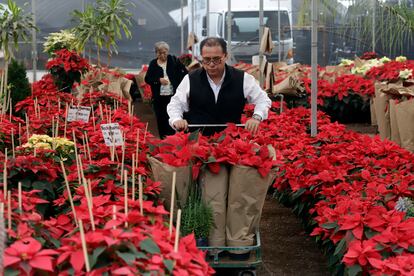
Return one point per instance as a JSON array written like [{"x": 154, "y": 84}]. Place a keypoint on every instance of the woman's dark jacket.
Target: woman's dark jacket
[{"x": 175, "y": 71}]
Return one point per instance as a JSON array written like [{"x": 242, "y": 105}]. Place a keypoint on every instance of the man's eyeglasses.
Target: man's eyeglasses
[{"x": 214, "y": 60}]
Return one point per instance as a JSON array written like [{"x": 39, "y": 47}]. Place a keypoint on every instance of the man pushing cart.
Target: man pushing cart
[{"x": 206, "y": 99}]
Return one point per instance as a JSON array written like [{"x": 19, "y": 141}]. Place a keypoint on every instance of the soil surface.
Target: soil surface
[{"x": 286, "y": 249}]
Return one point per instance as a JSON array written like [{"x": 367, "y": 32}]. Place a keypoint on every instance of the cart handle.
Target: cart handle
[{"x": 213, "y": 125}]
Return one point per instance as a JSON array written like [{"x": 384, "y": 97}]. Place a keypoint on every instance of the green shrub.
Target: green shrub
[
  {"x": 197, "y": 216},
  {"x": 18, "y": 82}
]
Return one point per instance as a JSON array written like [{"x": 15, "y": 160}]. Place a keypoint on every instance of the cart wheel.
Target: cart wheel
[{"x": 247, "y": 273}]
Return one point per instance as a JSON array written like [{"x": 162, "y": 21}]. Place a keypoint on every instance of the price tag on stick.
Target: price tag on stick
[
  {"x": 112, "y": 134},
  {"x": 79, "y": 113}
]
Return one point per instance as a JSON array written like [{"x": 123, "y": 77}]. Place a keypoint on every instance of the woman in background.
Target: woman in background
[{"x": 164, "y": 75}]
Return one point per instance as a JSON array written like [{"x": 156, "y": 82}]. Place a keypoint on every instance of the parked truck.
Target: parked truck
[{"x": 245, "y": 26}]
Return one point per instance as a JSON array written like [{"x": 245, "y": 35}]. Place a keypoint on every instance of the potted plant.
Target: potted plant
[{"x": 197, "y": 217}]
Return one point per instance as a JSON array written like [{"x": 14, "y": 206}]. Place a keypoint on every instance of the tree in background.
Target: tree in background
[
  {"x": 117, "y": 17},
  {"x": 14, "y": 26},
  {"x": 18, "y": 82},
  {"x": 102, "y": 24},
  {"x": 394, "y": 24}
]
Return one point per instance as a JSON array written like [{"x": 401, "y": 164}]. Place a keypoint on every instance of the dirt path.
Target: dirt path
[{"x": 287, "y": 249}]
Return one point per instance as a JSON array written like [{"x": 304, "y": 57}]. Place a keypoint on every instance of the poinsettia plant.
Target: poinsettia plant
[{"x": 66, "y": 68}]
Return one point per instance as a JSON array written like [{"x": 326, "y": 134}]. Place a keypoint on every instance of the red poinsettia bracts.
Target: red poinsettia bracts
[
  {"x": 69, "y": 61},
  {"x": 390, "y": 71},
  {"x": 27, "y": 256}
]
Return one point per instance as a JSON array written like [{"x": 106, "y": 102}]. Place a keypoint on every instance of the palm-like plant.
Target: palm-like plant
[
  {"x": 117, "y": 17},
  {"x": 103, "y": 25},
  {"x": 394, "y": 24},
  {"x": 90, "y": 28},
  {"x": 14, "y": 26}
]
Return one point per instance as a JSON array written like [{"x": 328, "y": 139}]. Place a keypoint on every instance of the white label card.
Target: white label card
[
  {"x": 112, "y": 134},
  {"x": 79, "y": 113}
]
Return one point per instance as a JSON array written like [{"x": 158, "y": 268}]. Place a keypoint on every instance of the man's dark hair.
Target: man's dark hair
[{"x": 214, "y": 41}]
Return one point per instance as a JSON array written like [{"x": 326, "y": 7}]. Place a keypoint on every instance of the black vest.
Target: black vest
[{"x": 230, "y": 102}]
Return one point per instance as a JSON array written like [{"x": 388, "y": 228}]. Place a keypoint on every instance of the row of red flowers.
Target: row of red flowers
[{"x": 43, "y": 234}]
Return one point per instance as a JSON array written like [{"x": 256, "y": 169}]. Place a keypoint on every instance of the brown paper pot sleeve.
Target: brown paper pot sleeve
[
  {"x": 405, "y": 119},
  {"x": 214, "y": 193},
  {"x": 247, "y": 193},
  {"x": 372, "y": 110},
  {"x": 395, "y": 135},
  {"x": 163, "y": 173},
  {"x": 381, "y": 102}
]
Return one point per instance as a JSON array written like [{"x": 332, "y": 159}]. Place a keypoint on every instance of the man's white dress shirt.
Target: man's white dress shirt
[{"x": 179, "y": 103}]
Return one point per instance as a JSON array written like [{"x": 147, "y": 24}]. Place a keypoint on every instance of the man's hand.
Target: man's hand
[
  {"x": 163, "y": 81},
  {"x": 252, "y": 125},
  {"x": 181, "y": 125}
]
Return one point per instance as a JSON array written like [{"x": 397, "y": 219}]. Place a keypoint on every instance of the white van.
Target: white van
[{"x": 245, "y": 25}]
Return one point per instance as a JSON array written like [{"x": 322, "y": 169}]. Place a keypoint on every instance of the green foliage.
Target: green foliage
[
  {"x": 18, "y": 82},
  {"x": 394, "y": 24},
  {"x": 65, "y": 39},
  {"x": 327, "y": 11},
  {"x": 14, "y": 26},
  {"x": 197, "y": 216},
  {"x": 102, "y": 25},
  {"x": 351, "y": 109}
]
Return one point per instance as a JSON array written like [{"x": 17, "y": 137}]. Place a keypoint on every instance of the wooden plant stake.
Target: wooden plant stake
[
  {"x": 114, "y": 215},
  {"x": 10, "y": 109},
  {"x": 88, "y": 201},
  {"x": 172, "y": 201},
  {"x": 140, "y": 195},
  {"x": 13, "y": 147},
  {"x": 20, "y": 134},
  {"x": 66, "y": 120},
  {"x": 76, "y": 157},
  {"x": 177, "y": 231},
  {"x": 123, "y": 157},
  {"x": 137, "y": 150},
  {"x": 84, "y": 248},
  {"x": 101, "y": 111},
  {"x": 27, "y": 127},
  {"x": 69, "y": 192},
  {"x": 88, "y": 148},
  {"x": 88, "y": 195},
  {"x": 5, "y": 179},
  {"x": 145, "y": 134},
  {"x": 53, "y": 127},
  {"x": 93, "y": 118},
  {"x": 9, "y": 211},
  {"x": 57, "y": 126},
  {"x": 19, "y": 196},
  {"x": 133, "y": 178},
  {"x": 126, "y": 196}
]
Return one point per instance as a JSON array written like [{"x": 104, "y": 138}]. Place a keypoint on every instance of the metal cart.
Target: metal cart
[{"x": 245, "y": 267}]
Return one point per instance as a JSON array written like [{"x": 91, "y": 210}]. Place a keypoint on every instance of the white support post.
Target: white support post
[{"x": 314, "y": 71}]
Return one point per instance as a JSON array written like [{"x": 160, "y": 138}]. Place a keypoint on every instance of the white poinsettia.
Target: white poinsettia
[
  {"x": 64, "y": 39},
  {"x": 346, "y": 62},
  {"x": 385, "y": 59},
  {"x": 406, "y": 74},
  {"x": 401, "y": 59},
  {"x": 366, "y": 66}
]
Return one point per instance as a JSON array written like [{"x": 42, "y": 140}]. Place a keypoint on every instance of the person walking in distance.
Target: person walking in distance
[{"x": 164, "y": 74}]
